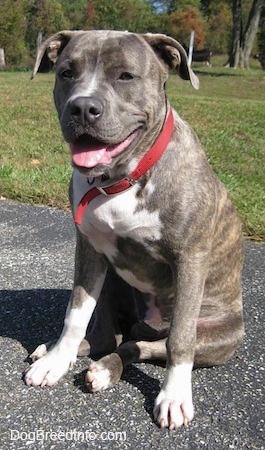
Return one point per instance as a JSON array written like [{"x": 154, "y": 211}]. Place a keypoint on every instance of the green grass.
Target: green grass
[
  {"x": 34, "y": 160},
  {"x": 227, "y": 113}
]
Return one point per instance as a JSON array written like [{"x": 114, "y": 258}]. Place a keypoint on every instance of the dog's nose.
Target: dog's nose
[{"x": 86, "y": 110}]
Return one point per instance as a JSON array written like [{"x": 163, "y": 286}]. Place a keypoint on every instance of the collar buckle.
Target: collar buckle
[
  {"x": 130, "y": 180},
  {"x": 116, "y": 186}
]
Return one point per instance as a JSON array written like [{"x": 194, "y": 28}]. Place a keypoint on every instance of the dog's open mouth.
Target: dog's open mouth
[{"x": 89, "y": 152}]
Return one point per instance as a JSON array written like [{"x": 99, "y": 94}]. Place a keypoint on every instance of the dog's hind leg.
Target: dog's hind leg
[
  {"x": 106, "y": 372},
  {"x": 217, "y": 339}
]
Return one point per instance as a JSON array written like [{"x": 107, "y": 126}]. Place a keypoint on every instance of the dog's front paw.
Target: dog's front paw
[
  {"x": 48, "y": 369},
  {"x": 172, "y": 413},
  {"x": 104, "y": 373},
  {"x": 173, "y": 406}
]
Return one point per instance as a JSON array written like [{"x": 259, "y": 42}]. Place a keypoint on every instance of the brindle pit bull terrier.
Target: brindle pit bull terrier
[{"x": 146, "y": 203}]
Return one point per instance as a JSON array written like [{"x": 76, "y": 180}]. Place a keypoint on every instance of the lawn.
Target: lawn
[{"x": 227, "y": 113}]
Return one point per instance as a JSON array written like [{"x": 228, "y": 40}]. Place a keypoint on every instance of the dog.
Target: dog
[{"x": 159, "y": 247}]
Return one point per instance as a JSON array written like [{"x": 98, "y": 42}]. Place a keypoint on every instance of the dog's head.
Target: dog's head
[{"x": 110, "y": 92}]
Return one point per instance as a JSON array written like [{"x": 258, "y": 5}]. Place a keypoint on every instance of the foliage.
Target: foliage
[
  {"x": 46, "y": 16},
  {"x": 219, "y": 27},
  {"x": 12, "y": 31},
  {"x": 183, "y": 21},
  {"x": 75, "y": 12},
  {"x": 176, "y": 5},
  {"x": 21, "y": 20},
  {"x": 132, "y": 15},
  {"x": 243, "y": 34}
]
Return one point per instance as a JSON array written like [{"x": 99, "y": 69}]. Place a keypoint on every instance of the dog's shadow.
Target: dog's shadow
[
  {"x": 147, "y": 385},
  {"x": 32, "y": 316},
  {"x": 35, "y": 316}
]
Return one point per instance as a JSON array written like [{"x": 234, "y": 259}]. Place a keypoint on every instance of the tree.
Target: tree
[
  {"x": 242, "y": 40},
  {"x": 250, "y": 32},
  {"x": 45, "y": 16},
  {"x": 12, "y": 31},
  {"x": 219, "y": 23},
  {"x": 261, "y": 40},
  {"x": 183, "y": 21},
  {"x": 176, "y": 5},
  {"x": 131, "y": 15},
  {"x": 75, "y": 12}
]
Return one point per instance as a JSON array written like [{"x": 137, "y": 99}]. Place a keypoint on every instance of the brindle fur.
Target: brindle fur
[{"x": 195, "y": 266}]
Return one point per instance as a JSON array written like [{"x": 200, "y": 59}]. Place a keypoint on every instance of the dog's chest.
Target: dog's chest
[{"x": 124, "y": 216}]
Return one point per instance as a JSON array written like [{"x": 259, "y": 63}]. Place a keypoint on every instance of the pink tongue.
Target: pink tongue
[
  {"x": 90, "y": 158},
  {"x": 97, "y": 152}
]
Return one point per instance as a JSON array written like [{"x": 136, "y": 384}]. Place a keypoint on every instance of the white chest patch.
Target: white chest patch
[{"x": 121, "y": 215}]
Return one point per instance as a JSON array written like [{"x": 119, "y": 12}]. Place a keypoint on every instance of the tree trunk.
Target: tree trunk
[
  {"x": 234, "y": 53},
  {"x": 2, "y": 58},
  {"x": 261, "y": 40},
  {"x": 242, "y": 44},
  {"x": 250, "y": 32}
]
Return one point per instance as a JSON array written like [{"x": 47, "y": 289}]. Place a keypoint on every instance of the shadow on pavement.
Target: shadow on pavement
[{"x": 32, "y": 316}]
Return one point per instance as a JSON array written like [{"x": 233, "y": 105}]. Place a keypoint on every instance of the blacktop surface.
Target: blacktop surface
[{"x": 36, "y": 272}]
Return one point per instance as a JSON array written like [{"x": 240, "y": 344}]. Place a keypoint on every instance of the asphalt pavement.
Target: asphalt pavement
[{"x": 36, "y": 272}]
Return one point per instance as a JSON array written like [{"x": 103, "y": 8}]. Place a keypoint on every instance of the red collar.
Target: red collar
[{"x": 149, "y": 159}]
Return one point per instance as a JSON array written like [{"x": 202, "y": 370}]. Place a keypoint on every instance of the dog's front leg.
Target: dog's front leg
[
  {"x": 173, "y": 406},
  {"x": 90, "y": 272}
]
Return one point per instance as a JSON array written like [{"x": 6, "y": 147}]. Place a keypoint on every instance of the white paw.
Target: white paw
[
  {"x": 173, "y": 406},
  {"x": 48, "y": 369},
  {"x": 98, "y": 377}
]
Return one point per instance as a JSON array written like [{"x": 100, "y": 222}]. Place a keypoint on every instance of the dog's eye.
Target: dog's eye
[
  {"x": 126, "y": 76},
  {"x": 68, "y": 74}
]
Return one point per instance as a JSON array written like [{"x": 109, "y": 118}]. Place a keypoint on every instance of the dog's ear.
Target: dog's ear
[
  {"x": 50, "y": 50},
  {"x": 173, "y": 54}
]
